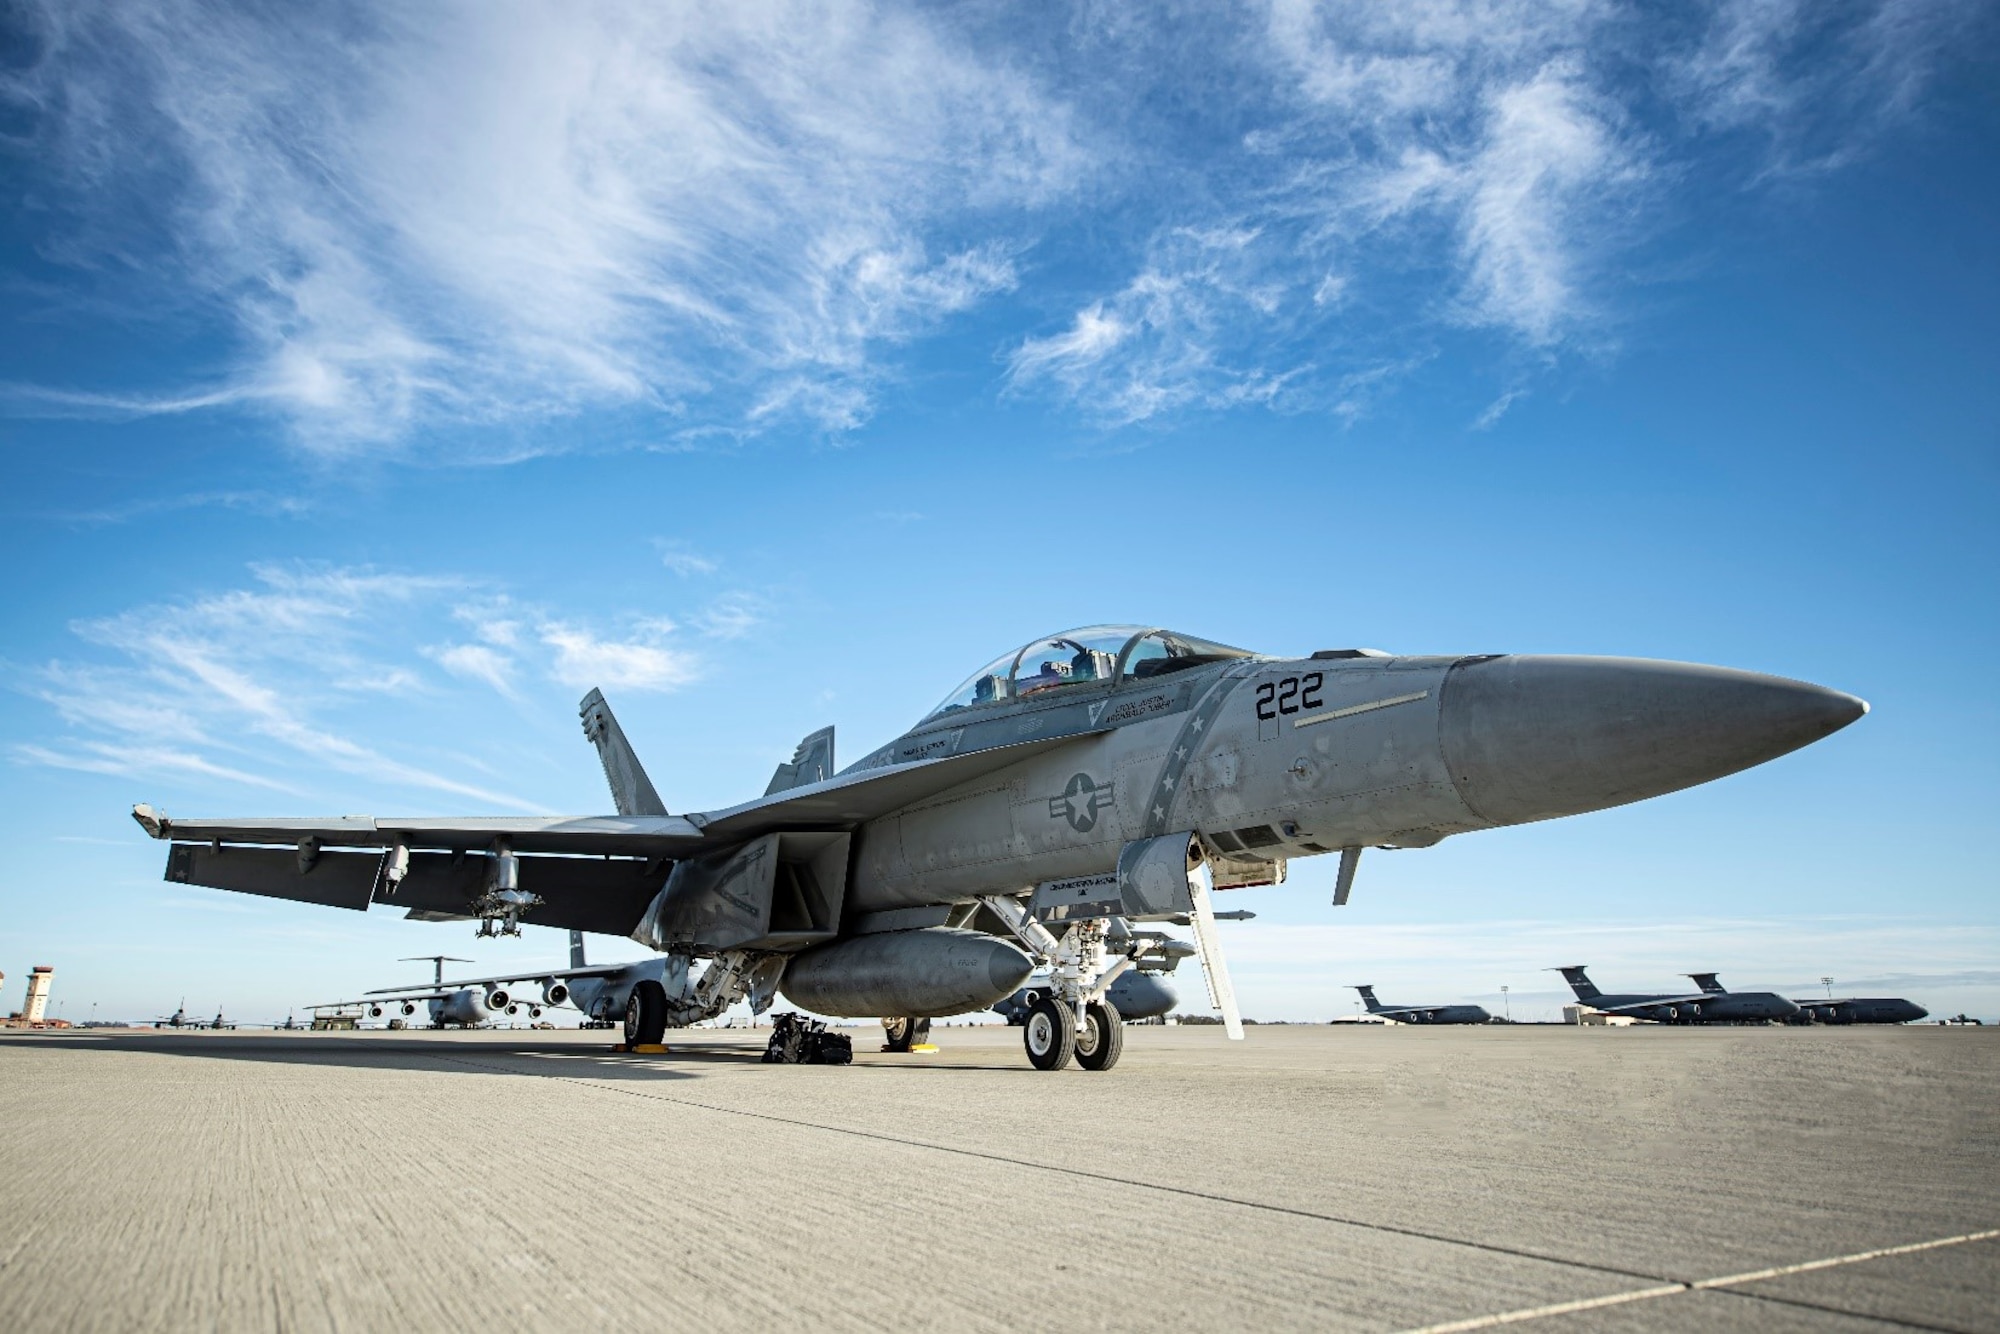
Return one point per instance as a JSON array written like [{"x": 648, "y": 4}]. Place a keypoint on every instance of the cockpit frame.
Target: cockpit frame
[{"x": 966, "y": 698}]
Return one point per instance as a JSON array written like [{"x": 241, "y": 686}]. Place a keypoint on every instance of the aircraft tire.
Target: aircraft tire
[
  {"x": 899, "y": 1034},
  {"x": 646, "y": 1014},
  {"x": 1102, "y": 1037},
  {"x": 1049, "y": 1035}
]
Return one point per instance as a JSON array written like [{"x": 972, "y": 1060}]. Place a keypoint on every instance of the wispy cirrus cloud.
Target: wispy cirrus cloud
[
  {"x": 275, "y": 685},
  {"x": 1410, "y": 170},
  {"x": 720, "y": 220},
  {"x": 462, "y": 214}
]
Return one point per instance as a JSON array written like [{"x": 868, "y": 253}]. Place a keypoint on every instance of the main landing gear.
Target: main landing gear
[
  {"x": 1052, "y": 1035},
  {"x": 646, "y": 1014},
  {"x": 905, "y": 1034}
]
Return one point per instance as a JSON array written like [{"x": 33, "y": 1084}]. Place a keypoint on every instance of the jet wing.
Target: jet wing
[
  {"x": 627, "y": 835},
  {"x": 840, "y": 802}
]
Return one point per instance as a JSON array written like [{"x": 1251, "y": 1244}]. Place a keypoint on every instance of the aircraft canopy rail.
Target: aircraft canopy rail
[{"x": 1092, "y": 655}]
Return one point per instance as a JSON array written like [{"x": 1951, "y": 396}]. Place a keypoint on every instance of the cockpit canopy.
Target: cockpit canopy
[{"x": 1094, "y": 655}]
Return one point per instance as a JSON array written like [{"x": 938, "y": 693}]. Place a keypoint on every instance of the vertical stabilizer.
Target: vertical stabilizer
[
  {"x": 1707, "y": 982},
  {"x": 576, "y": 950},
  {"x": 812, "y": 762},
  {"x": 1579, "y": 982},
  {"x": 1368, "y": 999},
  {"x": 631, "y": 791}
]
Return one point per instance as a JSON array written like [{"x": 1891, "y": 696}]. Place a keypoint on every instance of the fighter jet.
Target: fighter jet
[
  {"x": 1710, "y": 1005},
  {"x": 1424, "y": 1014},
  {"x": 1108, "y": 772}
]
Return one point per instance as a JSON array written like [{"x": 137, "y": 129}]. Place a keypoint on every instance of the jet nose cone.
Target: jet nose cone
[{"x": 1534, "y": 737}]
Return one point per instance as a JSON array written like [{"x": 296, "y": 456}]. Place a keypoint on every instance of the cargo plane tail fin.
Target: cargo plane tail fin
[
  {"x": 1707, "y": 982},
  {"x": 1579, "y": 982},
  {"x": 1368, "y": 998},
  {"x": 631, "y": 791},
  {"x": 576, "y": 959}
]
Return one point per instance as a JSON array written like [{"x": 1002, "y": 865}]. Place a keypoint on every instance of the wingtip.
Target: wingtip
[{"x": 150, "y": 820}]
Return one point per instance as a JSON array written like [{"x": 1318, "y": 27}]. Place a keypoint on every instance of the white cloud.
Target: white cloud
[
  {"x": 583, "y": 660},
  {"x": 460, "y": 213},
  {"x": 729, "y": 218},
  {"x": 477, "y": 662},
  {"x": 286, "y": 684},
  {"x": 731, "y": 616},
  {"x": 683, "y": 559}
]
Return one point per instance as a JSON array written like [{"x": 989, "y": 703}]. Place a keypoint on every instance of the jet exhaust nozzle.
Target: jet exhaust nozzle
[{"x": 1533, "y": 737}]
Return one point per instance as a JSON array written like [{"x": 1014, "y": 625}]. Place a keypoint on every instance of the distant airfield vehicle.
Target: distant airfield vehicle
[
  {"x": 1424, "y": 1014},
  {"x": 1114, "y": 772},
  {"x": 1709, "y": 1005}
]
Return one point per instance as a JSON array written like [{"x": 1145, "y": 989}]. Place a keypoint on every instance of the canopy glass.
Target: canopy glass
[{"x": 1095, "y": 655}]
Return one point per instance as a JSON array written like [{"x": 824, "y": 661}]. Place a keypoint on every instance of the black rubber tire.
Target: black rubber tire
[
  {"x": 899, "y": 1034},
  {"x": 1049, "y": 1035},
  {"x": 1102, "y": 1037},
  {"x": 646, "y": 1014}
]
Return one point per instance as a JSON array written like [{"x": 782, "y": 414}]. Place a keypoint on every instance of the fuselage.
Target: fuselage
[
  {"x": 1862, "y": 1010},
  {"x": 1717, "y": 1007},
  {"x": 1435, "y": 1014},
  {"x": 1269, "y": 759}
]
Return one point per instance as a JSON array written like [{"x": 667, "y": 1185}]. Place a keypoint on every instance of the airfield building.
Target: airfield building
[{"x": 39, "y": 981}]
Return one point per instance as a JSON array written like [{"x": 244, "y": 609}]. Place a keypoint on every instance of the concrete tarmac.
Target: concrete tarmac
[{"x": 1342, "y": 1177}]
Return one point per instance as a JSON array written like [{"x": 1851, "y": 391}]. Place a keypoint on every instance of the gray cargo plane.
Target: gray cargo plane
[
  {"x": 1108, "y": 772},
  {"x": 1710, "y": 1005},
  {"x": 600, "y": 993},
  {"x": 1849, "y": 1010},
  {"x": 1424, "y": 1014}
]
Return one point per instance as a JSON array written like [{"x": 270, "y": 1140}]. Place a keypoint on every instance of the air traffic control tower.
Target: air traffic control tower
[{"x": 39, "y": 981}]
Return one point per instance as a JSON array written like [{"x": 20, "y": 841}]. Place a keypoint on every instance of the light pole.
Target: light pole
[
  {"x": 1505, "y": 1004},
  {"x": 1827, "y": 982}
]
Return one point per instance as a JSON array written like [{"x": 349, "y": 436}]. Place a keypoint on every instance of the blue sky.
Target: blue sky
[{"x": 376, "y": 380}]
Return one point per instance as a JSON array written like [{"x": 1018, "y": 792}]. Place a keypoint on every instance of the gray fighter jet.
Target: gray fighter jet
[
  {"x": 1710, "y": 1005},
  {"x": 1424, "y": 1014},
  {"x": 1109, "y": 772}
]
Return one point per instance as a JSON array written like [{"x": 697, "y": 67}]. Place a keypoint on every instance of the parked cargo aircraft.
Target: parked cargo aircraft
[
  {"x": 1109, "y": 772},
  {"x": 600, "y": 992},
  {"x": 1849, "y": 1010},
  {"x": 1424, "y": 1014},
  {"x": 1710, "y": 1005}
]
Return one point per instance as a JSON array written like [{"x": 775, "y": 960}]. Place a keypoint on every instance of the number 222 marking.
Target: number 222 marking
[{"x": 1289, "y": 695}]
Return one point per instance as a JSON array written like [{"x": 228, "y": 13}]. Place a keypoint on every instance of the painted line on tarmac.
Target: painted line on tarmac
[
  {"x": 1704, "y": 1285},
  {"x": 1666, "y": 1286}
]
